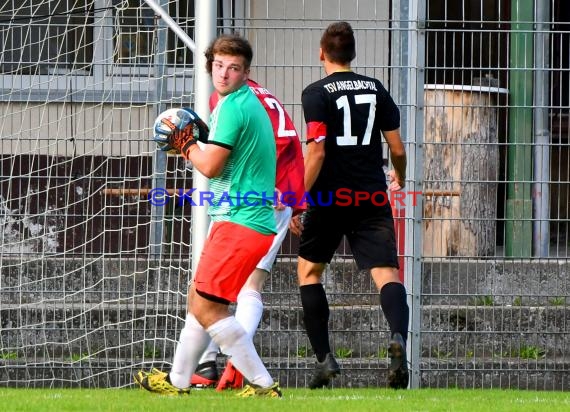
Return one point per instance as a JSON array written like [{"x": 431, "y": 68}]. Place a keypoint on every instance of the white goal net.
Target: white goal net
[{"x": 92, "y": 274}]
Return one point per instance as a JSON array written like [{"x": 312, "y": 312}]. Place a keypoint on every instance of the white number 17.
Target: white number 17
[{"x": 347, "y": 139}]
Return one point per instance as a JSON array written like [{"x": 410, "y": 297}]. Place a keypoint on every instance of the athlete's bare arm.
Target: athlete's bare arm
[{"x": 397, "y": 156}]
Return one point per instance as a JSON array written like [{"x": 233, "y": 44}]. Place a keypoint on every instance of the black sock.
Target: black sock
[
  {"x": 316, "y": 318},
  {"x": 395, "y": 308}
]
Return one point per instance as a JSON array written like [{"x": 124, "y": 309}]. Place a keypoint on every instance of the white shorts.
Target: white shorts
[{"x": 282, "y": 219}]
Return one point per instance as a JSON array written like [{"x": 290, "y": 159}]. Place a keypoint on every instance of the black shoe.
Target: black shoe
[
  {"x": 398, "y": 375},
  {"x": 324, "y": 372},
  {"x": 206, "y": 375}
]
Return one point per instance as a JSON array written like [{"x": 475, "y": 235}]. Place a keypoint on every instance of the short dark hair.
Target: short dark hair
[
  {"x": 338, "y": 43},
  {"x": 229, "y": 44}
]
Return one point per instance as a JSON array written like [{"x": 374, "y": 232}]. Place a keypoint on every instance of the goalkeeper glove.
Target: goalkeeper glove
[
  {"x": 182, "y": 140},
  {"x": 176, "y": 130}
]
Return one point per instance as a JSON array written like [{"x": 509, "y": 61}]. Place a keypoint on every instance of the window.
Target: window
[
  {"x": 136, "y": 35},
  {"x": 50, "y": 36},
  {"x": 54, "y": 49},
  {"x": 40, "y": 36},
  {"x": 134, "y": 32}
]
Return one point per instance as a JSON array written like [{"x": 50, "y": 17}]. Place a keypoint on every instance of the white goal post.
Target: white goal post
[
  {"x": 205, "y": 31},
  {"x": 93, "y": 272}
]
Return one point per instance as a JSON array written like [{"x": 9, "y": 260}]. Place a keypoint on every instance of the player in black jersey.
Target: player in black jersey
[{"x": 346, "y": 115}]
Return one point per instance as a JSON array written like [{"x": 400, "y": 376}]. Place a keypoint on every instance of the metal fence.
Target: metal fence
[
  {"x": 93, "y": 275},
  {"x": 495, "y": 181}
]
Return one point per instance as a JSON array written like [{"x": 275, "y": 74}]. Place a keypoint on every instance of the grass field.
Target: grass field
[{"x": 294, "y": 400}]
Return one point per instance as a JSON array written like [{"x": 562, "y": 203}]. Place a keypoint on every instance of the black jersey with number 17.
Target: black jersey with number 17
[{"x": 349, "y": 111}]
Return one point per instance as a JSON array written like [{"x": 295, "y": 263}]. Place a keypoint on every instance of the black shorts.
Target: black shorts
[{"x": 369, "y": 231}]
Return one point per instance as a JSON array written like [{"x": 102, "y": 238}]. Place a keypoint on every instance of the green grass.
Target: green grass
[
  {"x": 343, "y": 353},
  {"x": 325, "y": 400},
  {"x": 7, "y": 355},
  {"x": 558, "y": 301},
  {"x": 483, "y": 301}
]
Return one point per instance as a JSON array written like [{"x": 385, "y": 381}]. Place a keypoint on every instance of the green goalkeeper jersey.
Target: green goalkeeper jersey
[{"x": 243, "y": 193}]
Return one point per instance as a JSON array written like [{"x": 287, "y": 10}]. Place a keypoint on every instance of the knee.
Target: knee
[
  {"x": 309, "y": 273},
  {"x": 207, "y": 312},
  {"x": 308, "y": 278},
  {"x": 256, "y": 280},
  {"x": 196, "y": 310},
  {"x": 382, "y": 276}
]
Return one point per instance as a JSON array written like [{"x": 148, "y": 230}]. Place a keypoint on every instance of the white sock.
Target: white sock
[
  {"x": 193, "y": 341},
  {"x": 249, "y": 310},
  {"x": 235, "y": 342},
  {"x": 210, "y": 354}
]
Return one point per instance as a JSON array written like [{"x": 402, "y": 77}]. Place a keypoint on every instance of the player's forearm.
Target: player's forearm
[
  {"x": 397, "y": 152},
  {"x": 313, "y": 165},
  {"x": 204, "y": 161},
  {"x": 399, "y": 161}
]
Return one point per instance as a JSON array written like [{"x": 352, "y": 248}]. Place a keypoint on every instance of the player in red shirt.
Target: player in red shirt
[{"x": 290, "y": 191}]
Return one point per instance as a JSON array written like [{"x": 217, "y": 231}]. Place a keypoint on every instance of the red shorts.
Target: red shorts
[{"x": 230, "y": 254}]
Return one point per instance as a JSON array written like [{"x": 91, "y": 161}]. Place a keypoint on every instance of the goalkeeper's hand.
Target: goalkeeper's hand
[
  {"x": 181, "y": 140},
  {"x": 176, "y": 130},
  {"x": 162, "y": 131}
]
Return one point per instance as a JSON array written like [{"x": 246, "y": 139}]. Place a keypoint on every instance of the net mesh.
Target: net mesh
[{"x": 84, "y": 292}]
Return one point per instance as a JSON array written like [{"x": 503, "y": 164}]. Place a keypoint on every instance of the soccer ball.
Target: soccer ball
[{"x": 177, "y": 119}]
